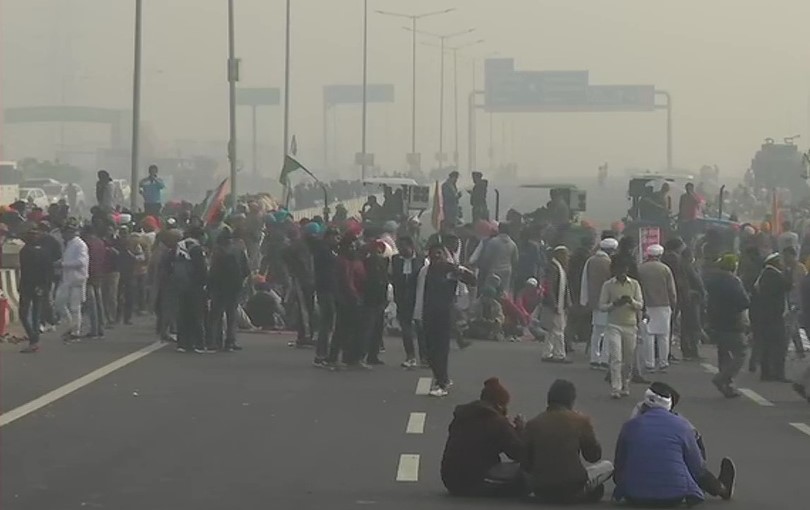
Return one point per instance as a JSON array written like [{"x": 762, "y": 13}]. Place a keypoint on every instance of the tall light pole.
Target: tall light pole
[
  {"x": 233, "y": 76},
  {"x": 442, "y": 44},
  {"x": 136, "y": 108},
  {"x": 414, "y": 18},
  {"x": 364, "y": 162},
  {"x": 286, "y": 88}
]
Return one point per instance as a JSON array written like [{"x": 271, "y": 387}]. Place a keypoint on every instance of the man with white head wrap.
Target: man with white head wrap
[
  {"x": 595, "y": 273},
  {"x": 660, "y": 298}
]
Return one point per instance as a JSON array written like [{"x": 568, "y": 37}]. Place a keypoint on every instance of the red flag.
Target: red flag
[
  {"x": 215, "y": 201},
  {"x": 437, "y": 214}
]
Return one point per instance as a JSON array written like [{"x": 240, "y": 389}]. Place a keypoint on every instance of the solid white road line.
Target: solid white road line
[
  {"x": 416, "y": 423},
  {"x": 801, "y": 427},
  {"x": 423, "y": 385},
  {"x": 710, "y": 368},
  {"x": 408, "y": 470},
  {"x": 67, "y": 389},
  {"x": 756, "y": 397}
]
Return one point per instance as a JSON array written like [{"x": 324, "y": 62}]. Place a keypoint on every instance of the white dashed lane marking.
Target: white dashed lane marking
[
  {"x": 408, "y": 469},
  {"x": 423, "y": 385},
  {"x": 801, "y": 427},
  {"x": 756, "y": 397},
  {"x": 416, "y": 423}
]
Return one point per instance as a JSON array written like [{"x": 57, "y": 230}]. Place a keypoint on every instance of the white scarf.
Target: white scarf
[{"x": 563, "y": 286}]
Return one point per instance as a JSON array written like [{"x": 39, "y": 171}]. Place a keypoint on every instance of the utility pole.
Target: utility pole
[
  {"x": 233, "y": 76},
  {"x": 136, "y": 109}
]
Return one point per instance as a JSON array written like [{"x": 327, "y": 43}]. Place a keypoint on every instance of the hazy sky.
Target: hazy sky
[{"x": 738, "y": 71}]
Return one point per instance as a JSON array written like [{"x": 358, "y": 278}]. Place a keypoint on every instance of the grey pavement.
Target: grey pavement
[{"x": 262, "y": 429}]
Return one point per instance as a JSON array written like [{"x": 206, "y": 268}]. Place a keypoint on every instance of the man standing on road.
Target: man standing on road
[
  {"x": 660, "y": 299},
  {"x": 36, "y": 271},
  {"x": 151, "y": 188},
  {"x": 555, "y": 305},
  {"x": 325, "y": 263},
  {"x": 190, "y": 273},
  {"x": 621, "y": 298},
  {"x": 595, "y": 273},
  {"x": 435, "y": 298},
  {"x": 727, "y": 303},
  {"x": 500, "y": 257},
  {"x": 405, "y": 267},
  {"x": 75, "y": 269},
  {"x": 794, "y": 273},
  {"x": 226, "y": 280},
  {"x": 768, "y": 318}
]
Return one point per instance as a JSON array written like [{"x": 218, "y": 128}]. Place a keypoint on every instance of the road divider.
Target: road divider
[
  {"x": 756, "y": 397},
  {"x": 423, "y": 385}
]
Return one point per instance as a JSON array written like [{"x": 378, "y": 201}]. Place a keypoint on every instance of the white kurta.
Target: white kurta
[{"x": 660, "y": 317}]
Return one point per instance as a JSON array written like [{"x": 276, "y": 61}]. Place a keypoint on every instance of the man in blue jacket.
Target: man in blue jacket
[{"x": 659, "y": 461}]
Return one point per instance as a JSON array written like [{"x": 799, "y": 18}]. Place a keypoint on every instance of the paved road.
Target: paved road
[{"x": 262, "y": 429}]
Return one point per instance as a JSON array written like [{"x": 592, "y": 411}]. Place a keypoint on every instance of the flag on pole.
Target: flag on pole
[
  {"x": 290, "y": 166},
  {"x": 215, "y": 201},
  {"x": 294, "y": 146},
  {"x": 437, "y": 214}
]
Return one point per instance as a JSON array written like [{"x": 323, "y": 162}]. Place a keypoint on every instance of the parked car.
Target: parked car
[
  {"x": 35, "y": 196},
  {"x": 51, "y": 187}
]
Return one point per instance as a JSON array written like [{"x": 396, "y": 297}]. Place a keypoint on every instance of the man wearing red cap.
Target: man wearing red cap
[{"x": 479, "y": 433}]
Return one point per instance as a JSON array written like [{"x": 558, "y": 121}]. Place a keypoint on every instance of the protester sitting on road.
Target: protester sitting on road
[
  {"x": 488, "y": 317},
  {"x": 658, "y": 458},
  {"x": 557, "y": 441},
  {"x": 479, "y": 433},
  {"x": 720, "y": 486}
]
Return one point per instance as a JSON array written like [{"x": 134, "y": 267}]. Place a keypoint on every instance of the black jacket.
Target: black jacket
[
  {"x": 768, "y": 299},
  {"x": 726, "y": 300},
  {"x": 375, "y": 292},
  {"x": 36, "y": 268},
  {"x": 478, "y": 434},
  {"x": 405, "y": 285},
  {"x": 324, "y": 261}
]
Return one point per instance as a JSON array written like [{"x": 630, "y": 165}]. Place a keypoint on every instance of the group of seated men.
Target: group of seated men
[{"x": 556, "y": 458}]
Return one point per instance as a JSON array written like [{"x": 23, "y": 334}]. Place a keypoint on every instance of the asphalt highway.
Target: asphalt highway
[{"x": 262, "y": 429}]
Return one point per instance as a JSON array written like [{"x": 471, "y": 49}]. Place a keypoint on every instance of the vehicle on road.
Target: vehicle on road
[{"x": 35, "y": 196}]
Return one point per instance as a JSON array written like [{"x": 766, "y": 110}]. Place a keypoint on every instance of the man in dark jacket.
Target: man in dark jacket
[
  {"x": 557, "y": 441},
  {"x": 727, "y": 303},
  {"x": 768, "y": 318},
  {"x": 298, "y": 259},
  {"x": 36, "y": 276},
  {"x": 673, "y": 249},
  {"x": 226, "y": 280},
  {"x": 374, "y": 302},
  {"x": 190, "y": 273},
  {"x": 324, "y": 258},
  {"x": 405, "y": 267},
  {"x": 478, "y": 197},
  {"x": 479, "y": 433},
  {"x": 351, "y": 276}
]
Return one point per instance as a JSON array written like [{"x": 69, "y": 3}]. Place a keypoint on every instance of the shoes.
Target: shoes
[
  {"x": 424, "y": 363},
  {"x": 359, "y": 366},
  {"x": 638, "y": 379},
  {"x": 181, "y": 349},
  {"x": 728, "y": 472},
  {"x": 595, "y": 366},
  {"x": 663, "y": 369},
  {"x": 625, "y": 393},
  {"x": 233, "y": 348},
  {"x": 801, "y": 390},
  {"x": 408, "y": 363},
  {"x": 438, "y": 392},
  {"x": 70, "y": 338},
  {"x": 615, "y": 395},
  {"x": 382, "y": 348},
  {"x": 375, "y": 361},
  {"x": 463, "y": 344},
  {"x": 30, "y": 349},
  {"x": 320, "y": 363},
  {"x": 204, "y": 350}
]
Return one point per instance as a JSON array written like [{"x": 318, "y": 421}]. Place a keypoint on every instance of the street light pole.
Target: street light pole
[
  {"x": 286, "y": 85},
  {"x": 365, "y": 89},
  {"x": 136, "y": 108},
  {"x": 233, "y": 71},
  {"x": 414, "y": 18},
  {"x": 442, "y": 39}
]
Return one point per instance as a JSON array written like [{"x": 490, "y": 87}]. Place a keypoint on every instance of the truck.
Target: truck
[{"x": 781, "y": 166}]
